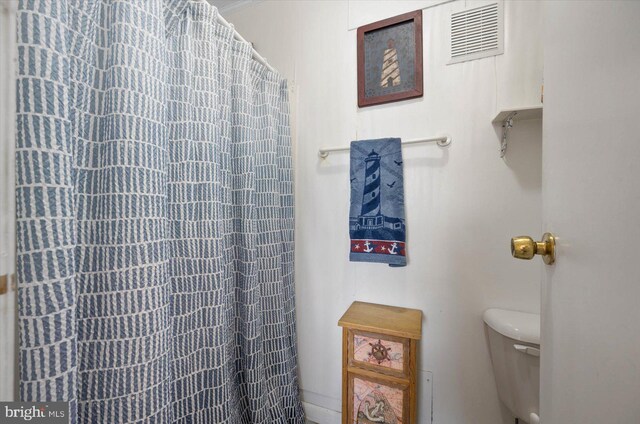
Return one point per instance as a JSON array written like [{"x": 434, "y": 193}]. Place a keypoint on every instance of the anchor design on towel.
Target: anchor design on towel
[
  {"x": 369, "y": 247},
  {"x": 393, "y": 250}
]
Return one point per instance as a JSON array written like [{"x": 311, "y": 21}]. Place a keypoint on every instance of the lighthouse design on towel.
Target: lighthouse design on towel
[
  {"x": 376, "y": 223},
  {"x": 371, "y": 195}
]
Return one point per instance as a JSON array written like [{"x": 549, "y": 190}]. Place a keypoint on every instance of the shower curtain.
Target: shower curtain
[{"x": 154, "y": 217}]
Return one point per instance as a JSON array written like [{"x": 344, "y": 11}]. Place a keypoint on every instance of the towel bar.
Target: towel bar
[{"x": 442, "y": 141}]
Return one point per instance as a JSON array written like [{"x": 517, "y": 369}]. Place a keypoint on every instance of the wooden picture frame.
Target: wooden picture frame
[{"x": 390, "y": 60}]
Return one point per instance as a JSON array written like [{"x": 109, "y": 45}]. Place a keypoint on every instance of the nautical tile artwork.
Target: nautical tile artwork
[
  {"x": 389, "y": 59},
  {"x": 380, "y": 352},
  {"x": 375, "y": 403}
]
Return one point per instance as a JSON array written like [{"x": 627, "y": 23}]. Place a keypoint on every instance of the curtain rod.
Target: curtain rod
[
  {"x": 239, "y": 37},
  {"x": 441, "y": 141},
  {"x": 11, "y": 6}
]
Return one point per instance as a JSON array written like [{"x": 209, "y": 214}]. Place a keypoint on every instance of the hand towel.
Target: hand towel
[{"x": 376, "y": 216}]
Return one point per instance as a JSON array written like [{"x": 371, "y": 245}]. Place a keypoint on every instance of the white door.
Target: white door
[{"x": 590, "y": 363}]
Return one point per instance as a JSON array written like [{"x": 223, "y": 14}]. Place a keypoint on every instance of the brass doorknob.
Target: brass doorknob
[{"x": 524, "y": 247}]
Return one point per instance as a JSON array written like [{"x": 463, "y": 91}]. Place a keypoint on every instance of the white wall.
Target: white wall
[
  {"x": 590, "y": 363},
  {"x": 7, "y": 210},
  {"x": 463, "y": 203}
]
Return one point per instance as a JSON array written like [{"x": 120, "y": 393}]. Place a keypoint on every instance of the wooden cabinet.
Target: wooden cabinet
[{"x": 379, "y": 364}]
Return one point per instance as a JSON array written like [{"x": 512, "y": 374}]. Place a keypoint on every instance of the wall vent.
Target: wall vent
[{"x": 477, "y": 32}]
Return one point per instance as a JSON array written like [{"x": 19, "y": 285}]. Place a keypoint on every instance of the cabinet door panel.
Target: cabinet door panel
[
  {"x": 379, "y": 353},
  {"x": 373, "y": 400}
]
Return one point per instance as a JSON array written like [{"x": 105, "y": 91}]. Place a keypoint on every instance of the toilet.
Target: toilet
[{"x": 514, "y": 343}]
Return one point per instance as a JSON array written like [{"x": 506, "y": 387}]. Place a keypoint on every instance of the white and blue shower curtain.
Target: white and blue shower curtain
[{"x": 154, "y": 217}]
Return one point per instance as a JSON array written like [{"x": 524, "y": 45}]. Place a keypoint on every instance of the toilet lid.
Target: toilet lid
[{"x": 521, "y": 326}]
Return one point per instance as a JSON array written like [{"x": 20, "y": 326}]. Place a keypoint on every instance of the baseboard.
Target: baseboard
[{"x": 321, "y": 415}]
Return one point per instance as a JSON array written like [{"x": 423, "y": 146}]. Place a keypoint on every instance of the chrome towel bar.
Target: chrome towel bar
[{"x": 442, "y": 141}]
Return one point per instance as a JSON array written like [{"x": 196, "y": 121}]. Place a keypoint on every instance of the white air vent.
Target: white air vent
[{"x": 477, "y": 32}]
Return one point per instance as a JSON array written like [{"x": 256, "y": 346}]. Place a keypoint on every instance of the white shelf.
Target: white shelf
[
  {"x": 522, "y": 113},
  {"x": 506, "y": 117}
]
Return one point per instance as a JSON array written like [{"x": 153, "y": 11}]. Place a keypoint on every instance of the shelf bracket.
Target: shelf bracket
[{"x": 506, "y": 125}]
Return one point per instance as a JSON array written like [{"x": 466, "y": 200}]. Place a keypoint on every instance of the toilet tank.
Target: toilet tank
[{"x": 514, "y": 343}]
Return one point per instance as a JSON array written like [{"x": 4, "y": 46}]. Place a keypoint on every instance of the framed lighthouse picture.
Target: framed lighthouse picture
[{"x": 390, "y": 60}]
